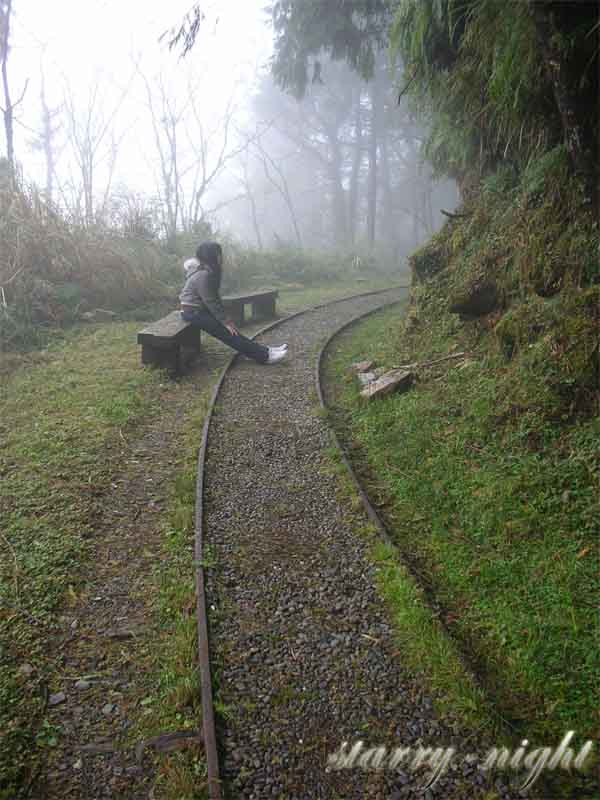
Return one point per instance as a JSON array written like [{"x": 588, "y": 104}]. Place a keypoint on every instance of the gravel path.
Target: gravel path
[
  {"x": 301, "y": 647},
  {"x": 106, "y": 638}
]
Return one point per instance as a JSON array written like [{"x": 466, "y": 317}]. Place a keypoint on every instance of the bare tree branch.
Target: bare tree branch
[
  {"x": 7, "y": 111},
  {"x": 282, "y": 186},
  {"x": 88, "y": 136}
]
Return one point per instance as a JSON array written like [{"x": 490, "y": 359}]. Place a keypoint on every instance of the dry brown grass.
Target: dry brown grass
[{"x": 52, "y": 270}]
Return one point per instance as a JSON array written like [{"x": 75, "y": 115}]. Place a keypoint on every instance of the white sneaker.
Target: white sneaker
[
  {"x": 276, "y": 355},
  {"x": 280, "y": 348}
]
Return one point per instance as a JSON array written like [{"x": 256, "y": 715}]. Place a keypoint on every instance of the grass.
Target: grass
[
  {"x": 60, "y": 421},
  {"x": 429, "y": 650},
  {"x": 67, "y": 413},
  {"x": 425, "y": 647},
  {"x": 172, "y": 675},
  {"x": 295, "y": 299},
  {"x": 54, "y": 269},
  {"x": 500, "y": 517}
]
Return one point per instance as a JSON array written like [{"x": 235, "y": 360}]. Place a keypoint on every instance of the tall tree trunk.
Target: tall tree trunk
[
  {"x": 565, "y": 69},
  {"x": 5, "y": 11},
  {"x": 356, "y": 165},
  {"x": 48, "y": 154},
  {"x": 255, "y": 224},
  {"x": 292, "y": 210},
  {"x": 88, "y": 186},
  {"x": 372, "y": 190},
  {"x": 387, "y": 197},
  {"x": 282, "y": 187},
  {"x": 318, "y": 233},
  {"x": 338, "y": 193}
]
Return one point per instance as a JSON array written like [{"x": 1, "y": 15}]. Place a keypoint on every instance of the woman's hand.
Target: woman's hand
[{"x": 232, "y": 328}]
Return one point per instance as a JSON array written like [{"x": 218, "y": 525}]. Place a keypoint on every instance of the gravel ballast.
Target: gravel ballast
[{"x": 303, "y": 653}]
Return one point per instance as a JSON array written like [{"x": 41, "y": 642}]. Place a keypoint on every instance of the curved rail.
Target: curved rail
[
  {"x": 208, "y": 714},
  {"x": 371, "y": 513},
  {"x": 369, "y": 508},
  {"x": 469, "y": 666}
]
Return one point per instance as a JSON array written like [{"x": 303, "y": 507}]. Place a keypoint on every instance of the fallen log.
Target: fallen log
[{"x": 397, "y": 380}]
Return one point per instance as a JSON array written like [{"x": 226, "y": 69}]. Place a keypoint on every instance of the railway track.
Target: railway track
[
  {"x": 208, "y": 723},
  {"x": 303, "y": 653}
]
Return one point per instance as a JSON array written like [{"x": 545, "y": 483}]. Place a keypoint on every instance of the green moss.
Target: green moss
[
  {"x": 535, "y": 236},
  {"x": 488, "y": 468},
  {"x": 430, "y": 259},
  {"x": 524, "y": 324},
  {"x": 554, "y": 348},
  {"x": 496, "y": 505}
]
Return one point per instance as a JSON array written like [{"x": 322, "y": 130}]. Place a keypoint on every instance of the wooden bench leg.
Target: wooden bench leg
[
  {"x": 192, "y": 341},
  {"x": 191, "y": 347},
  {"x": 263, "y": 309},
  {"x": 236, "y": 311},
  {"x": 197, "y": 340},
  {"x": 169, "y": 358},
  {"x": 148, "y": 354}
]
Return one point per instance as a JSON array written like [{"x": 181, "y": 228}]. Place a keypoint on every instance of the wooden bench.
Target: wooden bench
[
  {"x": 172, "y": 343},
  {"x": 169, "y": 343},
  {"x": 263, "y": 305}
]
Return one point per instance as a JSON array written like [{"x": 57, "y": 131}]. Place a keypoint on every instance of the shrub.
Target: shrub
[{"x": 51, "y": 270}]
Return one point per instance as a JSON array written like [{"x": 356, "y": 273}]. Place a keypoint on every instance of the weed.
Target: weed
[
  {"x": 490, "y": 489},
  {"x": 60, "y": 422}
]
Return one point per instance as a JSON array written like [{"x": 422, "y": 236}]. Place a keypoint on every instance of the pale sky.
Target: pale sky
[{"x": 95, "y": 41}]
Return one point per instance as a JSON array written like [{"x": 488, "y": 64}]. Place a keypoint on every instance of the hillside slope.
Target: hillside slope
[{"x": 487, "y": 471}]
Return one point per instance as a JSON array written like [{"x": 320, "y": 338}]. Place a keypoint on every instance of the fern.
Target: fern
[{"x": 476, "y": 68}]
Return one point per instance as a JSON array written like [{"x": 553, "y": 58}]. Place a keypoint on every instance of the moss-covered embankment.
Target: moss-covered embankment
[{"x": 487, "y": 471}]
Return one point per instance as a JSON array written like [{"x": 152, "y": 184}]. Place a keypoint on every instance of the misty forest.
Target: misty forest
[{"x": 299, "y": 407}]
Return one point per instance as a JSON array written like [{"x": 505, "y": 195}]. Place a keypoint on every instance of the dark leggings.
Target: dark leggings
[{"x": 210, "y": 324}]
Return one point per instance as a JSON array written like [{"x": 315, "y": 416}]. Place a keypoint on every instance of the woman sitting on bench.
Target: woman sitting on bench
[{"x": 201, "y": 305}]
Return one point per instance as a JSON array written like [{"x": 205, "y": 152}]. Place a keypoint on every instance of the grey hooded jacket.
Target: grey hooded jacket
[{"x": 199, "y": 291}]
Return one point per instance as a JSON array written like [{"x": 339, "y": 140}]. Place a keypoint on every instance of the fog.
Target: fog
[{"x": 116, "y": 129}]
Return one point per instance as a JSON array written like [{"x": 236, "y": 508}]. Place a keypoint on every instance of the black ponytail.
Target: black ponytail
[{"x": 211, "y": 254}]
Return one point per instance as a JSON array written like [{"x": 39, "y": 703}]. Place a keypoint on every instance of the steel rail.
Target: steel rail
[
  {"x": 209, "y": 739},
  {"x": 371, "y": 512},
  {"x": 469, "y": 666}
]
